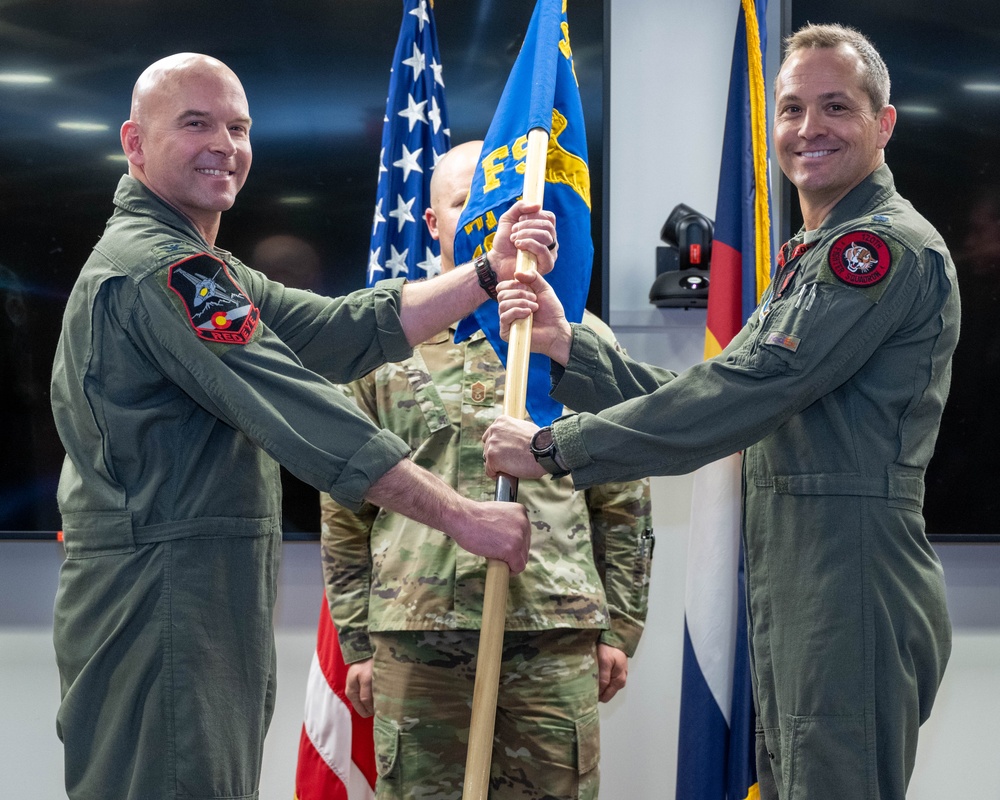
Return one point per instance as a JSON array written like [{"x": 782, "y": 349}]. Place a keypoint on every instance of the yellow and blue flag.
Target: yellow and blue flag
[
  {"x": 541, "y": 92},
  {"x": 716, "y": 758},
  {"x": 415, "y": 135}
]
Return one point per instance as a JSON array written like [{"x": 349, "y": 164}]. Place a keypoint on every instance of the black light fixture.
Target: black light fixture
[{"x": 682, "y": 262}]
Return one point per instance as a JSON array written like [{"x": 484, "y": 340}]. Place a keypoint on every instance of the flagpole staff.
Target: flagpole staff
[{"x": 484, "y": 694}]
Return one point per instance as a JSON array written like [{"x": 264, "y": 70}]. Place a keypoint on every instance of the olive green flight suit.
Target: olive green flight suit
[
  {"x": 834, "y": 390},
  {"x": 182, "y": 378}
]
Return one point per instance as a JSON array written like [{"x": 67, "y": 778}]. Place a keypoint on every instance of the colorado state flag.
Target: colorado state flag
[
  {"x": 715, "y": 759},
  {"x": 541, "y": 92}
]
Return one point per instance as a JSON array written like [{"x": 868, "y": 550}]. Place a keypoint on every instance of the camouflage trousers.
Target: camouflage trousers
[{"x": 546, "y": 741}]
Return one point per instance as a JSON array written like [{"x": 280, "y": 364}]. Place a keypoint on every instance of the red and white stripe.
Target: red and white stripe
[{"x": 336, "y": 749}]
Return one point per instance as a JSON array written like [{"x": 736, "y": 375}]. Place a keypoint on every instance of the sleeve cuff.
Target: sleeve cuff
[
  {"x": 575, "y": 380},
  {"x": 355, "y": 646},
  {"x": 379, "y": 454},
  {"x": 569, "y": 442},
  {"x": 389, "y": 327},
  {"x": 623, "y": 634}
]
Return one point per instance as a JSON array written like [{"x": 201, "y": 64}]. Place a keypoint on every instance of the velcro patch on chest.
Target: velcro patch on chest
[
  {"x": 860, "y": 258},
  {"x": 218, "y": 309},
  {"x": 785, "y": 340}
]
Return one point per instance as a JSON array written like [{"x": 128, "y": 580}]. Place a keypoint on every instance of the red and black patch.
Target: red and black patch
[
  {"x": 860, "y": 258},
  {"x": 218, "y": 309}
]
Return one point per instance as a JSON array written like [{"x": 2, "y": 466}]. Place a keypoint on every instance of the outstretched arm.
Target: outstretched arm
[
  {"x": 493, "y": 529},
  {"x": 530, "y": 295},
  {"x": 430, "y": 306}
]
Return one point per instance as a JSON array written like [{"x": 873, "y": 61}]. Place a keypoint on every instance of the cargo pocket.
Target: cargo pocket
[
  {"x": 826, "y": 757},
  {"x": 588, "y": 754},
  {"x": 386, "y": 736}
]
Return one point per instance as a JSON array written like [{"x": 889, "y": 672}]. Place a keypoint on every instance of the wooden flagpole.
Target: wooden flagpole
[{"x": 484, "y": 695}]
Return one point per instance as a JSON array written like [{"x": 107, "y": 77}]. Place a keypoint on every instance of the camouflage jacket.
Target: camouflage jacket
[{"x": 590, "y": 552}]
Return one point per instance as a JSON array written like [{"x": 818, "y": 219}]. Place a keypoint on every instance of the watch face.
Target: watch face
[{"x": 541, "y": 442}]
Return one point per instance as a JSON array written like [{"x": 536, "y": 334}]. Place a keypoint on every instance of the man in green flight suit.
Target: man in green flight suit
[
  {"x": 834, "y": 391},
  {"x": 182, "y": 378},
  {"x": 408, "y": 605}
]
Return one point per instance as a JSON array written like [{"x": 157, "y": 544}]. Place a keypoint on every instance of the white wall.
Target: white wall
[
  {"x": 670, "y": 66},
  {"x": 956, "y": 758}
]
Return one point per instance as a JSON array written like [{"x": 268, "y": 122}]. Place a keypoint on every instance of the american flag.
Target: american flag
[
  {"x": 415, "y": 135},
  {"x": 336, "y": 749},
  {"x": 336, "y": 745}
]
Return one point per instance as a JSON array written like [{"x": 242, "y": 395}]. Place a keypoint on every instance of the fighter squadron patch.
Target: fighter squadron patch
[
  {"x": 860, "y": 258},
  {"x": 217, "y": 307}
]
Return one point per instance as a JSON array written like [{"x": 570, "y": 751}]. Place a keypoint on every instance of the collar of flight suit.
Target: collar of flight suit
[{"x": 134, "y": 196}]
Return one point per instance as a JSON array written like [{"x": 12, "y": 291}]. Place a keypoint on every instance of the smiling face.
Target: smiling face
[
  {"x": 188, "y": 138},
  {"x": 826, "y": 134}
]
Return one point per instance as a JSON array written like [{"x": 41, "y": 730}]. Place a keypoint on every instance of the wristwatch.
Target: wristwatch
[
  {"x": 487, "y": 277},
  {"x": 543, "y": 448}
]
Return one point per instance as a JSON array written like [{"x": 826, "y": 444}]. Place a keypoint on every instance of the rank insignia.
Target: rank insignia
[
  {"x": 218, "y": 309},
  {"x": 860, "y": 258},
  {"x": 478, "y": 391}
]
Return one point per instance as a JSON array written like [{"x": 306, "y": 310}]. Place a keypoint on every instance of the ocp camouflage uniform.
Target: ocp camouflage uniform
[{"x": 407, "y": 595}]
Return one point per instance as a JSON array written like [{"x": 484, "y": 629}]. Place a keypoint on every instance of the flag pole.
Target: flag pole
[{"x": 484, "y": 694}]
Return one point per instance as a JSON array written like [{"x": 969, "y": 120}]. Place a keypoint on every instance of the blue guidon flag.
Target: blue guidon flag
[
  {"x": 541, "y": 92},
  {"x": 218, "y": 309},
  {"x": 415, "y": 135}
]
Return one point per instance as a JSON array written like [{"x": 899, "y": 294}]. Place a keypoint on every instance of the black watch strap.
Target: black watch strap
[{"x": 487, "y": 277}]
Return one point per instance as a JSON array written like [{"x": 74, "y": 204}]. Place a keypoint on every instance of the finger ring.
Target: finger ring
[{"x": 552, "y": 246}]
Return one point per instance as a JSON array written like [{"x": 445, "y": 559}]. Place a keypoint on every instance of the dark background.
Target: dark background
[
  {"x": 944, "y": 62},
  {"x": 316, "y": 73}
]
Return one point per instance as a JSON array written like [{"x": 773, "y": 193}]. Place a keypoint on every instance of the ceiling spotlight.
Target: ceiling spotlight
[
  {"x": 82, "y": 127},
  {"x": 919, "y": 110},
  {"x": 981, "y": 87},
  {"x": 24, "y": 78}
]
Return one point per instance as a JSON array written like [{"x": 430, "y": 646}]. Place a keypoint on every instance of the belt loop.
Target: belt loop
[{"x": 87, "y": 534}]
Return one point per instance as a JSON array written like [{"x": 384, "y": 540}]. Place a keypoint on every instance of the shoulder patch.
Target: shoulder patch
[
  {"x": 218, "y": 309},
  {"x": 860, "y": 258}
]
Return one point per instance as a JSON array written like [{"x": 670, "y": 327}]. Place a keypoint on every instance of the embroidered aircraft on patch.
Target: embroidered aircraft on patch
[{"x": 218, "y": 309}]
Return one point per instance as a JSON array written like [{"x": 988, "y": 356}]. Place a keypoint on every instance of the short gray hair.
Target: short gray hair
[{"x": 875, "y": 75}]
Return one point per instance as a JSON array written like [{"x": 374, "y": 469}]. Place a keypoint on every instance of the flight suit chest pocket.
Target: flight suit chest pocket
[{"x": 782, "y": 337}]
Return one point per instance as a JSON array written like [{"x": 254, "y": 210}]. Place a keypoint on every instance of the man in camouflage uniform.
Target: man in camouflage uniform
[{"x": 407, "y": 603}]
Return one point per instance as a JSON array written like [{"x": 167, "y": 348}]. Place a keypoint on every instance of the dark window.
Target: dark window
[{"x": 316, "y": 73}]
